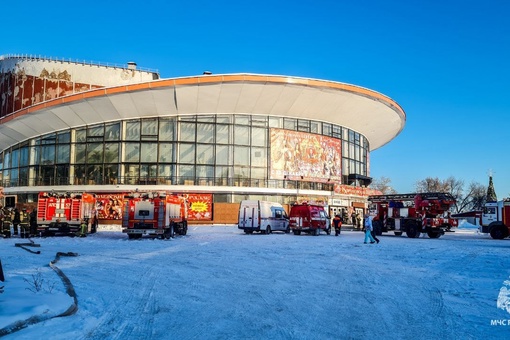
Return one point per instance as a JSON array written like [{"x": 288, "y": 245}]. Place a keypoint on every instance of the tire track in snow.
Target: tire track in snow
[
  {"x": 115, "y": 324},
  {"x": 140, "y": 319}
]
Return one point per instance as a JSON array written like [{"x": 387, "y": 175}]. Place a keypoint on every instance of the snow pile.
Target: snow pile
[
  {"x": 216, "y": 282},
  {"x": 463, "y": 224}
]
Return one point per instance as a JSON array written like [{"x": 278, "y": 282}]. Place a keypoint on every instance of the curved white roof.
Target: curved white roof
[{"x": 370, "y": 113}]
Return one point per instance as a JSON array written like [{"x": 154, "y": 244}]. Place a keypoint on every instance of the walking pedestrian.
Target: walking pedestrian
[
  {"x": 337, "y": 223},
  {"x": 375, "y": 227},
  {"x": 368, "y": 229}
]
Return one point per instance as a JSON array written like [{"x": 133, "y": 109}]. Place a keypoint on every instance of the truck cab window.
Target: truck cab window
[{"x": 489, "y": 210}]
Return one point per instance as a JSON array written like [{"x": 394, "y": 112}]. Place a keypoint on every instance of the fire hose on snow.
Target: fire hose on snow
[
  {"x": 16, "y": 326},
  {"x": 31, "y": 244}
]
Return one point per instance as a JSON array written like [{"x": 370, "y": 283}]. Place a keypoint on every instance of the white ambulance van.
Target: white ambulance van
[{"x": 262, "y": 216}]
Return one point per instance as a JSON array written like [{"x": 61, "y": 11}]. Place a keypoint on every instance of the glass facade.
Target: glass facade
[{"x": 222, "y": 150}]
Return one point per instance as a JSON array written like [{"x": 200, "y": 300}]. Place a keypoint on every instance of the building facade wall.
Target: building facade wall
[{"x": 218, "y": 135}]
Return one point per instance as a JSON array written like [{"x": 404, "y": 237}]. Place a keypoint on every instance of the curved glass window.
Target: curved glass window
[
  {"x": 242, "y": 135},
  {"x": 205, "y": 154},
  {"x": 149, "y": 152},
  {"x": 219, "y": 149},
  {"x": 166, "y": 129}
]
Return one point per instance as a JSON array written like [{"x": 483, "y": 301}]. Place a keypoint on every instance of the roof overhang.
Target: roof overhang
[{"x": 377, "y": 117}]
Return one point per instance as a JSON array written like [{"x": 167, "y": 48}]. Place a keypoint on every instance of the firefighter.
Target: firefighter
[
  {"x": 83, "y": 228},
  {"x": 7, "y": 220},
  {"x": 32, "y": 220},
  {"x": 24, "y": 223},
  {"x": 95, "y": 221},
  {"x": 337, "y": 223},
  {"x": 16, "y": 220}
]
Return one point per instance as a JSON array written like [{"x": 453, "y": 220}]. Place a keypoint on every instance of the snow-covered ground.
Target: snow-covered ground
[{"x": 218, "y": 283}]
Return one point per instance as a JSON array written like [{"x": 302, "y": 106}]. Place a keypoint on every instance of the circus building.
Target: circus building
[{"x": 77, "y": 126}]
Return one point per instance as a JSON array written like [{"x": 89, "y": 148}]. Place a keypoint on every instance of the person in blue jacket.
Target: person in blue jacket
[{"x": 367, "y": 221}]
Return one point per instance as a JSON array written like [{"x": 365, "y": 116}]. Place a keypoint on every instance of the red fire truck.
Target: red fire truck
[
  {"x": 413, "y": 213},
  {"x": 158, "y": 214},
  {"x": 309, "y": 218},
  {"x": 63, "y": 212}
]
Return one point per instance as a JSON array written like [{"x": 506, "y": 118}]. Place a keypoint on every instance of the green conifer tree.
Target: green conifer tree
[{"x": 491, "y": 194}]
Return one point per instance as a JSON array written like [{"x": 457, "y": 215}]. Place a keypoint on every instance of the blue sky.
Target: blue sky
[{"x": 447, "y": 63}]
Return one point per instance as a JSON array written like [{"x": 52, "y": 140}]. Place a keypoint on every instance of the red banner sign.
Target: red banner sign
[
  {"x": 109, "y": 206},
  {"x": 342, "y": 189},
  {"x": 200, "y": 207}
]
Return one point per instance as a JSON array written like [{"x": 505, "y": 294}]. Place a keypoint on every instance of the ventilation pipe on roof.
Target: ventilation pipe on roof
[{"x": 131, "y": 65}]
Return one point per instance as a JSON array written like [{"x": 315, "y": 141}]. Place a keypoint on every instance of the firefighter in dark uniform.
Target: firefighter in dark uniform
[
  {"x": 33, "y": 223},
  {"x": 16, "y": 220},
  {"x": 337, "y": 223},
  {"x": 6, "y": 223},
  {"x": 94, "y": 223},
  {"x": 24, "y": 223}
]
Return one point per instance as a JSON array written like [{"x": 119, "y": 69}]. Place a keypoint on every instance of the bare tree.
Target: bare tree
[
  {"x": 383, "y": 184},
  {"x": 475, "y": 198},
  {"x": 430, "y": 184}
]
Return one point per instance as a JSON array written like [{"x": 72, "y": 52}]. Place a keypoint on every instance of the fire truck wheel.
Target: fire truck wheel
[
  {"x": 433, "y": 234},
  {"x": 297, "y": 232},
  {"x": 412, "y": 231},
  {"x": 170, "y": 232},
  {"x": 499, "y": 232}
]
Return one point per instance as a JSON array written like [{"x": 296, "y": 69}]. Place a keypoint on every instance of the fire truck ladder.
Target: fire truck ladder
[
  {"x": 75, "y": 209},
  {"x": 410, "y": 197},
  {"x": 41, "y": 210}
]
